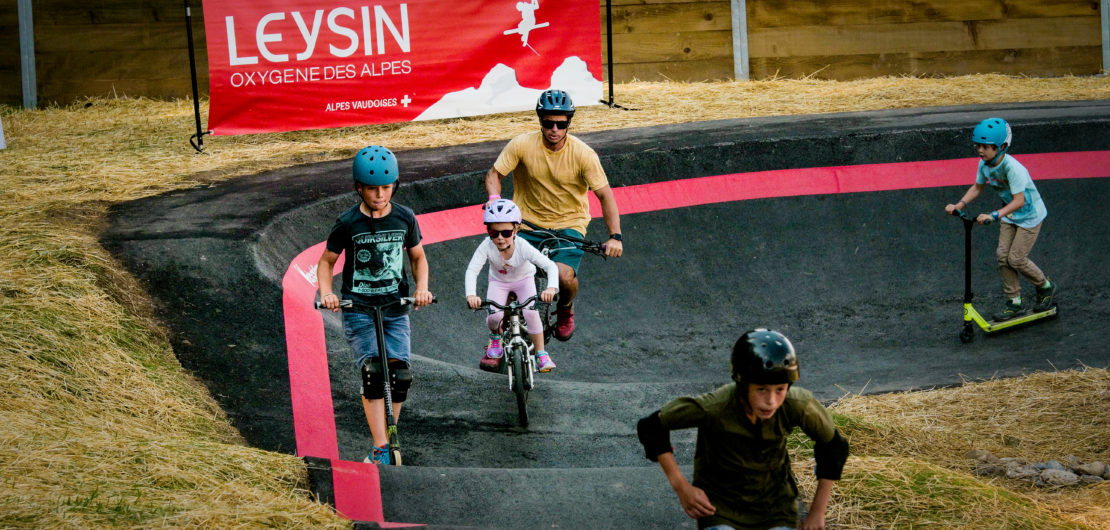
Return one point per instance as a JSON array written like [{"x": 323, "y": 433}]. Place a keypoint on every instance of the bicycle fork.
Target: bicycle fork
[{"x": 515, "y": 344}]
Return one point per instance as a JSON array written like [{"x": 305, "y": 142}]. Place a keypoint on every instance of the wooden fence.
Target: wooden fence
[{"x": 138, "y": 47}]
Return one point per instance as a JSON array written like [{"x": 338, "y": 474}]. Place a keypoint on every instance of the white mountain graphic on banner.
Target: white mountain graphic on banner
[{"x": 500, "y": 92}]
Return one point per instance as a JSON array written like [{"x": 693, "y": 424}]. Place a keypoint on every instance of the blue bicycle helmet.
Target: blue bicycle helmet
[
  {"x": 992, "y": 131},
  {"x": 555, "y": 102},
  {"x": 375, "y": 166}
]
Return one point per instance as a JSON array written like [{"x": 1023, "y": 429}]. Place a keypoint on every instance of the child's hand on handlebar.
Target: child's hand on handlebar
[
  {"x": 950, "y": 209},
  {"x": 547, "y": 295},
  {"x": 984, "y": 219},
  {"x": 330, "y": 301},
  {"x": 422, "y": 297},
  {"x": 473, "y": 302}
]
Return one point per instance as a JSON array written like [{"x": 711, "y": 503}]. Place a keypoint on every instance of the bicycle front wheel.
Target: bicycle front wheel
[{"x": 520, "y": 383}]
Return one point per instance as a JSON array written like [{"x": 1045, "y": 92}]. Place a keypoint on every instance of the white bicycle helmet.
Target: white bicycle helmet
[{"x": 501, "y": 211}]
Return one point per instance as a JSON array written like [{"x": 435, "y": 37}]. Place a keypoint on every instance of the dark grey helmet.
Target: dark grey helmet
[{"x": 764, "y": 357}]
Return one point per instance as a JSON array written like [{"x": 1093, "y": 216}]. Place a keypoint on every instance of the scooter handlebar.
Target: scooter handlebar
[
  {"x": 962, "y": 214},
  {"x": 347, "y": 304}
]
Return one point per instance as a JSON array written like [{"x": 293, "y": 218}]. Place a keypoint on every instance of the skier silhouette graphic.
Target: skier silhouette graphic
[{"x": 527, "y": 22}]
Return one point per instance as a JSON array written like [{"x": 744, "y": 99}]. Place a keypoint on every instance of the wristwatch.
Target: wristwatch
[{"x": 616, "y": 237}]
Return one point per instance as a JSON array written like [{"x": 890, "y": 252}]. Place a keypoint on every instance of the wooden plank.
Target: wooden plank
[
  {"x": 669, "y": 18},
  {"x": 77, "y": 14},
  {"x": 781, "y": 13},
  {"x": 1085, "y": 60},
  {"x": 111, "y": 37},
  {"x": 97, "y": 66},
  {"x": 924, "y": 37},
  {"x": 616, "y": 3},
  {"x": 784, "y": 13},
  {"x": 697, "y": 70},
  {"x": 659, "y": 47},
  {"x": 1051, "y": 8}
]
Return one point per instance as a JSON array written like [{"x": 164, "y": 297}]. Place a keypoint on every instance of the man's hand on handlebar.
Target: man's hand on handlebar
[
  {"x": 613, "y": 248},
  {"x": 548, "y": 294}
]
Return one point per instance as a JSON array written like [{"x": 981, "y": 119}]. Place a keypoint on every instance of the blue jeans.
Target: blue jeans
[{"x": 359, "y": 329}]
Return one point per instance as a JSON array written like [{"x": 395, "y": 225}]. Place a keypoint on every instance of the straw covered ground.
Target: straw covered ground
[{"x": 100, "y": 426}]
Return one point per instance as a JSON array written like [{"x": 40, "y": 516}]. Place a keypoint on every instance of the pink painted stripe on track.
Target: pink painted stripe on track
[{"x": 357, "y": 489}]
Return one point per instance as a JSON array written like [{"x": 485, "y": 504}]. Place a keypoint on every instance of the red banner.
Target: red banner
[{"x": 282, "y": 65}]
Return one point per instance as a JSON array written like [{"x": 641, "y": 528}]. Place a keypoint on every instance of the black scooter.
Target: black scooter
[{"x": 383, "y": 357}]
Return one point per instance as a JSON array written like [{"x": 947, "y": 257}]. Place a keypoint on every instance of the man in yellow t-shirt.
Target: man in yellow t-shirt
[{"x": 552, "y": 172}]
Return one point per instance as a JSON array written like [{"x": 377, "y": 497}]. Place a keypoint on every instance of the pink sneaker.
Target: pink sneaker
[
  {"x": 544, "y": 362},
  {"x": 492, "y": 360},
  {"x": 564, "y": 324}
]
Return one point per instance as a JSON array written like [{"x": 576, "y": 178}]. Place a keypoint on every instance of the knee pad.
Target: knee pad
[
  {"x": 400, "y": 379},
  {"x": 372, "y": 387}
]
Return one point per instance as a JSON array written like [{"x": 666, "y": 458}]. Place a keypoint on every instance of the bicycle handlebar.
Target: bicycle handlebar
[
  {"x": 347, "y": 304},
  {"x": 586, "y": 245},
  {"x": 513, "y": 306}
]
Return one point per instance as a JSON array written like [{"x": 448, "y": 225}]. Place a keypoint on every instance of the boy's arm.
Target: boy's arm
[
  {"x": 656, "y": 439},
  {"x": 324, "y": 270},
  {"x": 815, "y": 518},
  {"x": 419, "y": 262},
  {"x": 1014, "y": 205},
  {"x": 694, "y": 500},
  {"x": 969, "y": 196}
]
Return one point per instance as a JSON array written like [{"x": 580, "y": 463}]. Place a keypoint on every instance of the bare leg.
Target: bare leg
[
  {"x": 375, "y": 417},
  {"x": 568, "y": 286},
  {"x": 537, "y": 341}
]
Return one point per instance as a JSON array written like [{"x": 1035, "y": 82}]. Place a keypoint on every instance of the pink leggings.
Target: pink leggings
[{"x": 498, "y": 291}]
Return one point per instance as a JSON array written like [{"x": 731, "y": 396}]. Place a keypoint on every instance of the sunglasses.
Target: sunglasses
[
  {"x": 552, "y": 124},
  {"x": 503, "y": 233}
]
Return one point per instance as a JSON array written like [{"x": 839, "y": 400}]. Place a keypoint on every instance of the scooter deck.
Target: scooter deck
[{"x": 990, "y": 326}]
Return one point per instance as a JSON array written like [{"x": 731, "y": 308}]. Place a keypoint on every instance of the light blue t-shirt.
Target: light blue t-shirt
[{"x": 1009, "y": 178}]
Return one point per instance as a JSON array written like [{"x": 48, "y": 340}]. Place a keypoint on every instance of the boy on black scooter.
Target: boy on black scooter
[
  {"x": 373, "y": 235},
  {"x": 1021, "y": 217}
]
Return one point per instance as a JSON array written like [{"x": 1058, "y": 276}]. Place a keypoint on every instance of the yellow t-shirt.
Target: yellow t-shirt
[{"x": 550, "y": 186}]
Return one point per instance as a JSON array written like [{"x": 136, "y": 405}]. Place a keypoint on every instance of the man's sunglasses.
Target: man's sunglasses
[
  {"x": 503, "y": 233},
  {"x": 552, "y": 124}
]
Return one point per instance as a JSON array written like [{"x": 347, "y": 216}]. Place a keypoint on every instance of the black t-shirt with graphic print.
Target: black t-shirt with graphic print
[{"x": 374, "y": 254}]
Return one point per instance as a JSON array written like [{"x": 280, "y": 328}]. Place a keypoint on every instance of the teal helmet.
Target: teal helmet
[
  {"x": 375, "y": 166},
  {"x": 555, "y": 102},
  {"x": 992, "y": 131}
]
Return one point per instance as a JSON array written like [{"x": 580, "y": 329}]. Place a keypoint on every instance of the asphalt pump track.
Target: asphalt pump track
[{"x": 829, "y": 228}]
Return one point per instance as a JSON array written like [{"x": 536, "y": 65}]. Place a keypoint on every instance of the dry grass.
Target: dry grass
[{"x": 100, "y": 426}]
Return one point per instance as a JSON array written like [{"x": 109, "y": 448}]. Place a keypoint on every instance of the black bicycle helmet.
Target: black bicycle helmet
[
  {"x": 764, "y": 357},
  {"x": 555, "y": 102}
]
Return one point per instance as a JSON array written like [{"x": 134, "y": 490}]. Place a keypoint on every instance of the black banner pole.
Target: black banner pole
[
  {"x": 196, "y": 140},
  {"x": 609, "y": 47}
]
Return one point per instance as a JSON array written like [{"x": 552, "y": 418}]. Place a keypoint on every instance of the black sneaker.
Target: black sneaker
[
  {"x": 1044, "y": 297},
  {"x": 1010, "y": 310}
]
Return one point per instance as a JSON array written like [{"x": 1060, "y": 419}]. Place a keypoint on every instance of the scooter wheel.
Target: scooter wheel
[
  {"x": 395, "y": 456},
  {"x": 967, "y": 335}
]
